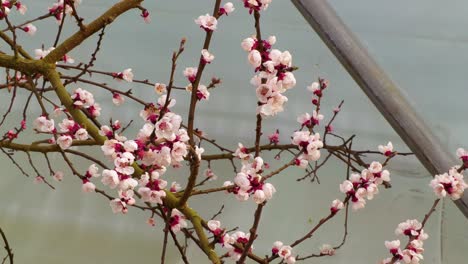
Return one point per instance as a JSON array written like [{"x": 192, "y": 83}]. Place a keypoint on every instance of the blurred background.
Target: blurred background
[{"x": 423, "y": 46}]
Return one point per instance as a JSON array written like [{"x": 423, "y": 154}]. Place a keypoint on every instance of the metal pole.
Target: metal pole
[{"x": 380, "y": 89}]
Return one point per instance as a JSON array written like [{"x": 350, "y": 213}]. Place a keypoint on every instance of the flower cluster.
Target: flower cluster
[
  {"x": 274, "y": 74},
  {"x": 120, "y": 205},
  {"x": 57, "y": 9},
  {"x": 249, "y": 181},
  {"x": 284, "y": 252},
  {"x": 256, "y": 5},
  {"x": 306, "y": 120},
  {"x": 69, "y": 130},
  {"x": 88, "y": 186},
  {"x": 365, "y": 184},
  {"x": 44, "y": 125},
  {"x": 413, "y": 251},
  {"x": 191, "y": 73},
  {"x": 309, "y": 144},
  {"x": 159, "y": 144},
  {"x": 84, "y": 99},
  {"x": 233, "y": 243},
  {"x": 7, "y": 5},
  {"x": 449, "y": 184}
]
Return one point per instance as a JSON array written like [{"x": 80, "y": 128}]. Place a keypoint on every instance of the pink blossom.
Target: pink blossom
[
  {"x": 265, "y": 91},
  {"x": 175, "y": 187},
  {"x": 40, "y": 53},
  {"x": 336, "y": 206},
  {"x": 409, "y": 228},
  {"x": 160, "y": 88},
  {"x": 191, "y": 73},
  {"x": 42, "y": 124},
  {"x": 95, "y": 110},
  {"x": 316, "y": 118},
  {"x": 88, "y": 186},
  {"x": 93, "y": 171},
  {"x": 276, "y": 247},
  {"x": 67, "y": 59},
  {"x": 110, "y": 178},
  {"x": 83, "y": 98},
  {"x": 210, "y": 174},
  {"x": 327, "y": 249},
  {"x": 255, "y": 58},
  {"x": 386, "y": 150},
  {"x": 462, "y": 154},
  {"x": 151, "y": 196},
  {"x": 22, "y": 8},
  {"x": 259, "y": 196},
  {"x": 288, "y": 80},
  {"x": 274, "y": 138},
  {"x": 268, "y": 190},
  {"x": 119, "y": 205},
  {"x": 242, "y": 152},
  {"x": 202, "y": 92},
  {"x": 58, "y": 176},
  {"x": 273, "y": 106},
  {"x": 215, "y": 227},
  {"x": 375, "y": 167},
  {"x": 242, "y": 181},
  {"x": 123, "y": 163},
  {"x": 177, "y": 220},
  {"x": 207, "y": 22},
  {"x": 207, "y": 57},
  {"x": 118, "y": 99},
  {"x": 151, "y": 221},
  {"x": 226, "y": 9},
  {"x": 146, "y": 16},
  {"x": 285, "y": 251},
  {"x": 30, "y": 29},
  {"x": 314, "y": 87},
  {"x": 126, "y": 75},
  {"x": 39, "y": 179},
  {"x": 291, "y": 260},
  {"x": 68, "y": 126},
  {"x": 301, "y": 162},
  {"x": 167, "y": 126},
  {"x": 130, "y": 146},
  {"x": 304, "y": 119},
  {"x": 449, "y": 184},
  {"x": 393, "y": 246},
  {"x": 81, "y": 134},
  {"x": 162, "y": 101},
  {"x": 248, "y": 43},
  {"x": 64, "y": 141}
]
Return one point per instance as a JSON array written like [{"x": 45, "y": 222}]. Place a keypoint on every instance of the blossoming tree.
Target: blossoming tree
[{"x": 131, "y": 170}]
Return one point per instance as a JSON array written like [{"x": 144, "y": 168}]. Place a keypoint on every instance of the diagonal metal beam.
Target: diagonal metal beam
[{"x": 380, "y": 89}]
